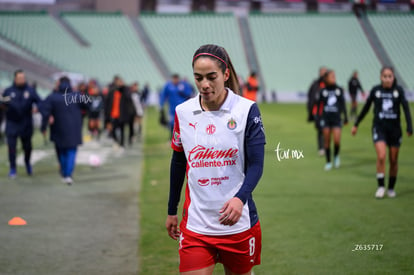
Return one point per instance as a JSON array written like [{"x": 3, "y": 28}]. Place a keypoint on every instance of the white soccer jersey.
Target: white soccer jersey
[{"x": 213, "y": 143}]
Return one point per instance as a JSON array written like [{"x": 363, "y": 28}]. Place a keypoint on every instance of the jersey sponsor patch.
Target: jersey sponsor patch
[
  {"x": 203, "y": 181},
  {"x": 212, "y": 181},
  {"x": 210, "y": 129},
  {"x": 200, "y": 157}
]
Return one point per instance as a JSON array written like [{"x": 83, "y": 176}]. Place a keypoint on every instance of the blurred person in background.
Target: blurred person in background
[
  {"x": 18, "y": 100},
  {"x": 95, "y": 109},
  {"x": 136, "y": 116},
  {"x": 388, "y": 98},
  {"x": 354, "y": 86},
  {"x": 62, "y": 109},
  {"x": 331, "y": 105},
  {"x": 251, "y": 87},
  {"x": 313, "y": 98},
  {"x": 144, "y": 95},
  {"x": 83, "y": 90},
  {"x": 175, "y": 92},
  {"x": 241, "y": 84},
  {"x": 2, "y": 109},
  {"x": 119, "y": 109}
]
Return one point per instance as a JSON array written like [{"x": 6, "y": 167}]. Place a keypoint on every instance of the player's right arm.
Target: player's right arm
[{"x": 177, "y": 175}]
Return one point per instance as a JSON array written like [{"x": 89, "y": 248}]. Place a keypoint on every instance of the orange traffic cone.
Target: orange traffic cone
[{"x": 17, "y": 221}]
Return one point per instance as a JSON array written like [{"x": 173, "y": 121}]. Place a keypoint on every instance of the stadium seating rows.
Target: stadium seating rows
[
  {"x": 289, "y": 48},
  {"x": 178, "y": 36},
  {"x": 396, "y": 32}
]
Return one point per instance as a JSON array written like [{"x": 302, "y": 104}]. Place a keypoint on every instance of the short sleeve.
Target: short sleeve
[
  {"x": 255, "y": 133},
  {"x": 176, "y": 144}
]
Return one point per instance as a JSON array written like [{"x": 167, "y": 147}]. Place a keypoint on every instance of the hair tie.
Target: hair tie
[{"x": 209, "y": 54}]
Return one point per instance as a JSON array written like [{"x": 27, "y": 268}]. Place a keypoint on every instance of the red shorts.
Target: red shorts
[{"x": 238, "y": 252}]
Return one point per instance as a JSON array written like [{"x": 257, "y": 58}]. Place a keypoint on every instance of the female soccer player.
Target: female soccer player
[
  {"x": 353, "y": 87},
  {"x": 330, "y": 107},
  {"x": 386, "y": 127},
  {"x": 218, "y": 140}
]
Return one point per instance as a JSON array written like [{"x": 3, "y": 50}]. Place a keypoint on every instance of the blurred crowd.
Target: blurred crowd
[
  {"x": 106, "y": 110},
  {"x": 103, "y": 110}
]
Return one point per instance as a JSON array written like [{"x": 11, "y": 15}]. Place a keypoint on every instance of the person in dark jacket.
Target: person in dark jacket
[
  {"x": 63, "y": 110},
  {"x": 18, "y": 100},
  {"x": 387, "y": 98},
  {"x": 95, "y": 110},
  {"x": 119, "y": 109},
  {"x": 353, "y": 87},
  {"x": 313, "y": 97},
  {"x": 331, "y": 106}
]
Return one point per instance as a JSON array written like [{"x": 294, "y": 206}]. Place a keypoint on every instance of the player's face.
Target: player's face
[
  {"x": 322, "y": 71},
  {"x": 210, "y": 80},
  {"x": 20, "y": 79},
  {"x": 331, "y": 78},
  {"x": 387, "y": 78}
]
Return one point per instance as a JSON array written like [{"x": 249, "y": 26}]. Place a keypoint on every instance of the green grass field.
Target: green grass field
[{"x": 311, "y": 219}]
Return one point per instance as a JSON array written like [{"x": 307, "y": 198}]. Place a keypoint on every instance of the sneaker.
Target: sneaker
[
  {"x": 13, "y": 173},
  {"x": 328, "y": 166},
  {"x": 29, "y": 170},
  {"x": 391, "y": 193},
  {"x": 379, "y": 194},
  {"x": 69, "y": 180},
  {"x": 337, "y": 162}
]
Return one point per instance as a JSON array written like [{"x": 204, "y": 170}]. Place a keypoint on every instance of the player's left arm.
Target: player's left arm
[
  {"x": 254, "y": 154},
  {"x": 407, "y": 113},
  {"x": 343, "y": 106}
]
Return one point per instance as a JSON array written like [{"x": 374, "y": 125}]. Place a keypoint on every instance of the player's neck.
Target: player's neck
[{"x": 214, "y": 105}]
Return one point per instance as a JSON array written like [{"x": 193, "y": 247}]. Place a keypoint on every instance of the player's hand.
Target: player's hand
[
  {"x": 231, "y": 211},
  {"x": 172, "y": 227},
  {"x": 354, "y": 130}
]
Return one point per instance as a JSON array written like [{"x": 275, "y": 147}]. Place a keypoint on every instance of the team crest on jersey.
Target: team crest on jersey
[
  {"x": 211, "y": 129},
  {"x": 378, "y": 94},
  {"x": 13, "y": 94},
  {"x": 231, "y": 124},
  {"x": 395, "y": 93},
  {"x": 338, "y": 92},
  {"x": 325, "y": 93},
  {"x": 26, "y": 94}
]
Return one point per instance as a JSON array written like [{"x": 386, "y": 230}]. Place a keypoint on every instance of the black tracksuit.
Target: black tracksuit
[
  {"x": 331, "y": 105},
  {"x": 387, "y": 116}
]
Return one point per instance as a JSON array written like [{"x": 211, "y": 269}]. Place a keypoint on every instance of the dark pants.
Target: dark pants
[
  {"x": 131, "y": 124},
  {"x": 319, "y": 135},
  {"x": 12, "y": 145},
  {"x": 117, "y": 124}
]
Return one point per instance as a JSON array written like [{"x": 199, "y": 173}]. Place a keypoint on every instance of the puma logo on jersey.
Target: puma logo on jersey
[{"x": 193, "y": 125}]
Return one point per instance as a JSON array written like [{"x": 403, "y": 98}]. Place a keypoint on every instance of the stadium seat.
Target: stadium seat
[
  {"x": 177, "y": 37},
  {"x": 291, "y": 48},
  {"x": 114, "y": 46},
  {"x": 396, "y": 33}
]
